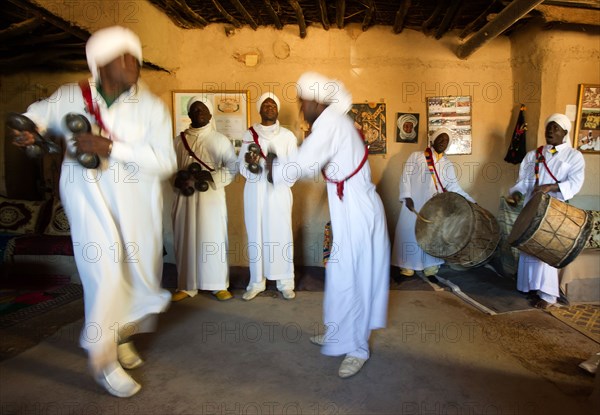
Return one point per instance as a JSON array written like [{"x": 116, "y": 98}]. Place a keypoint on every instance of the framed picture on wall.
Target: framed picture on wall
[
  {"x": 230, "y": 112},
  {"x": 369, "y": 118},
  {"x": 587, "y": 123},
  {"x": 453, "y": 113},
  {"x": 407, "y": 127}
]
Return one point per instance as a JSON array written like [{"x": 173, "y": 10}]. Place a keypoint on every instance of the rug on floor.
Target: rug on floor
[
  {"x": 25, "y": 297},
  {"x": 584, "y": 318}
]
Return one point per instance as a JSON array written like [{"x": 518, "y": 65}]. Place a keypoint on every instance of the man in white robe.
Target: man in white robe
[
  {"x": 200, "y": 220},
  {"x": 417, "y": 186},
  {"x": 268, "y": 207},
  {"x": 568, "y": 167},
  {"x": 115, "y": 210},
  {"x": 358, "y": 271}
]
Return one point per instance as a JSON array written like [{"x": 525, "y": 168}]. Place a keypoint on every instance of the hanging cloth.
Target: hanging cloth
[{"x": 516, "y": 151}]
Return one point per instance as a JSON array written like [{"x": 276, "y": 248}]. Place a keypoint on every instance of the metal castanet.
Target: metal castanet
[
  {"x": 551, "y": 230},
  {"x": 42, "y": 145},
  {"x": 458, "y": 231},
  {"x": 255, "y": 150},
  {"x": 77, "y": 124}
]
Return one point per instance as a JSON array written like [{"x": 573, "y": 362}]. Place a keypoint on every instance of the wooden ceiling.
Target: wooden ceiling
[{"x": 32, "y": 38}]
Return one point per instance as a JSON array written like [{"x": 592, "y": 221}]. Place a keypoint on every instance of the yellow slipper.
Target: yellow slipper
[
  {"x": 179, "y": 295},
  {"x": 223, "y": 295}
]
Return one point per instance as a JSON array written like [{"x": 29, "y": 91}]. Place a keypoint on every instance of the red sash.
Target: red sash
[
  {"x": 92, "y": 109},
  {"x": 540, "y": 158},
  {"x": 191, "y": 153},
  {"x": 432, "y": 169},
  {"x": 340, "y": 184}
]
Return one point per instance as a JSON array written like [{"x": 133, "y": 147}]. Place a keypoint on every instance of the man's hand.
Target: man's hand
[
  {"x": 514, "y": 199},
  {"x": 251, "y": 157},
  {"x": 546, "y": 188},
  {"x": 21, "y": 138},
  {"x": 205, "y": 176},
  {"x": 90, "y": 143}
]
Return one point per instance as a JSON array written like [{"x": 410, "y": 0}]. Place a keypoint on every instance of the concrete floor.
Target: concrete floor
[{"x": 438, "y": 355}]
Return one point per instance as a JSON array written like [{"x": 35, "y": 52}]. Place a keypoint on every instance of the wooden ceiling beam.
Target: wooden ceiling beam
[
  {"x": 368, "y": 15},
  {"x": 20, "y": 28},
  {"x": 226, "y": 15},
  {"x": 190, "y": 15},
  {"x": 569, "y": 15},
  {"x": 324, "y": 18},
  {"x": 273, "y": 14},
  {"x": 448, "y": 19},
  {"x": 50, "y": 18},
  {"x": 426, "y": 27},
  {"x": 506, "y": 18},
  {"x": 401, "y": 16},
  {"x": 299, "y": 17},
  {"x": 478, "y": 21},
  {"x": 240, "y": 8},
  {"x": 340, "y": 12}
]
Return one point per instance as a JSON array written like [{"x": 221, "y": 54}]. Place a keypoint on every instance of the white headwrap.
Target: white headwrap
[
  {"x": 441, "y": 131},
  {"x": 206, "y": 101},
  {"x": 564, "y": 123},
  {"x": 264, "y": 97},
  {"x": 312, "y": 86},
  {"x": 404, "y": 118},
  {"x": 108, "y": 44}
]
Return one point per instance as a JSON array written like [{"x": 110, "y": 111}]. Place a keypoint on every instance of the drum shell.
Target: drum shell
[
  {"x": 551, "y": 230},
  {"x": 471, "y": 245}
]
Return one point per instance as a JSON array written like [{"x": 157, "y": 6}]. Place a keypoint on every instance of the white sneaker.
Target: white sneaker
[
  {"x": 117, "y": 382},
  {"x": 288, "y": 294},
  {"x": 591, "y": 365},
  {"x": 350, "y": 366},
  {"x": 250, "y": 294},
  {"x": 319, "y": 339},
  {"x": 128, "y": 356}
]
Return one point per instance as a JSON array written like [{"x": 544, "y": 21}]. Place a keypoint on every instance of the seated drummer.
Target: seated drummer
[
  {"x": 426, "y": 173},
  {"x": 556, "y": 169}
]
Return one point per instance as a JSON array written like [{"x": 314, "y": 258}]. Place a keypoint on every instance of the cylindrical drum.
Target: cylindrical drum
[
  {"x": 460, "y": 232},
  {"x": 551, "y": 230}
]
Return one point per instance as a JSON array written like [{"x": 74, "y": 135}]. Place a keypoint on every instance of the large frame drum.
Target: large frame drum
[
  {"x": 551, "y": 230},
  {"x": 460, "y": 232}
]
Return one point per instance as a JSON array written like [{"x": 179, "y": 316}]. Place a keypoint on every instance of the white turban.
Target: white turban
[
  {"x": 404, "y": 118},
  {"x": 206, "y": 101},
  {"x": 109, "y": 43},
  {"x": 264, "y": 97},
  {"x": 564, "y": 123},
  {"x": 441, "y": 131},
  {"x": 312, "y": 86}
]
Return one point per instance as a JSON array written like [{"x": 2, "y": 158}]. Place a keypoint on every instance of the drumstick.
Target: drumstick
[{"x": 412, "y": 209}]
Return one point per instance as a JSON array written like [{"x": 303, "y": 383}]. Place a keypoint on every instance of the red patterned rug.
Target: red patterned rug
[{"x": 24, "y": 297}]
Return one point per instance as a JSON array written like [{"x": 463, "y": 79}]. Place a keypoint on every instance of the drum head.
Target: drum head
[
  {"x": 529, "y": 219},
  {"x": 452, "y": 222}
]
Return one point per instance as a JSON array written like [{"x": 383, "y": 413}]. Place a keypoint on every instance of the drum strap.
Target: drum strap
[
  {"x": 432, "y": 169},
  {"x": 92, "y": 109},
  {"x": 340, "y": 184},
  {"x": 255, "y": 137},
  {"x": 192, "y": 154},
  {"x": 540, "y": 158}
]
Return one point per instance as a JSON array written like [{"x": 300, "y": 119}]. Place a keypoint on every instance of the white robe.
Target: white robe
[
  {"x": 358, "y": 271},
  {"x": 417, "y": 183},
  {"x": 200, "y": 220},
  {"x": 115, "y": 211},
  {"x": 568, "y": 166},
  {"x": 268, "y": 209}
]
